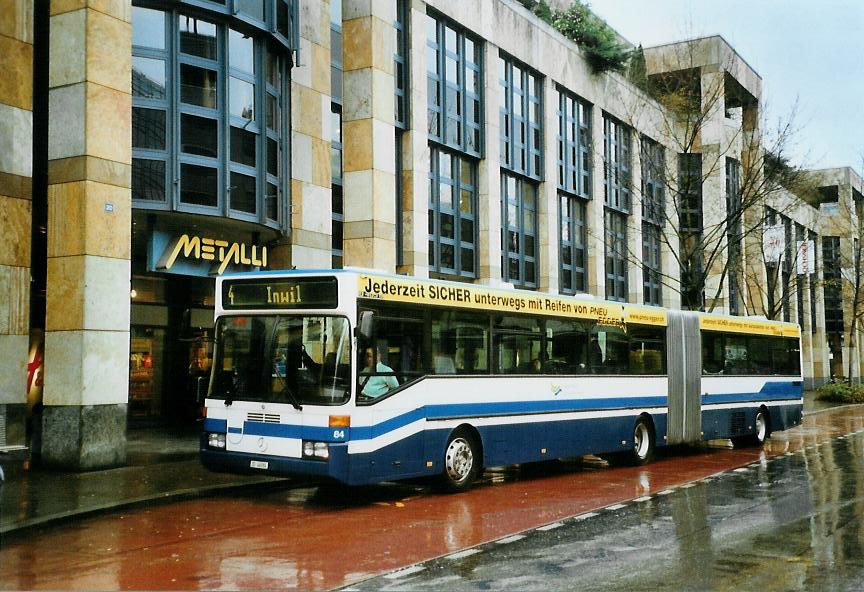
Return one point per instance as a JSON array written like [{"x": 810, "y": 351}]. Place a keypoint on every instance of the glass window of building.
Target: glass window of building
[
  {"x": 208, "y": 94},
  {"x": 455, "y": 121},
  {"x": 653, "y": 219},
  {"x": 336, "y": 148},
  {"x": 571, "y": 213},
  {"x": 521, "y": 138},
  {"x": 814, "y": 278},
  {"x": 574, "y": 188},
  {"x": 616, "y": 165},
  {"x": 616, "y": 198},
  {"x": 454, "y": 86},
  {"x": 689, "y": 208},
  {"x": 616, "y": 255},
  {"x": 833, "y": 284},
  {"x": 521, "y": 119},
  {"x": 402, "y": 91},
  {"x": 452, "y": 214},
  {"x": 574, "y": 145},
  {"x": 734, "y": 233},
  {"x": 519, "y": 231}
]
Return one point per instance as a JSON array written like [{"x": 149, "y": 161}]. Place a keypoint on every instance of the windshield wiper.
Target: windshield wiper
[{"x": 293, "y": 398}]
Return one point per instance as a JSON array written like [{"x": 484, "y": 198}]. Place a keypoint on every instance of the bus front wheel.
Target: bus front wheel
[
  {"x": 643, "y": 442},
  {"x": 461, "y": 461}
]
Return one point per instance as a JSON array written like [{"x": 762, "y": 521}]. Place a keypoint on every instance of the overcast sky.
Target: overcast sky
[{"x": 809, "y": 50}]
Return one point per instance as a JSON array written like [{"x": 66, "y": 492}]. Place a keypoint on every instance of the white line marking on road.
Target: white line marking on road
[
  {"x": 644, "y": 498},
  {"x": 404, "y": 572},
  {"x": 511, "y": 539},
  {"x": 552, "y": 526},
  {"x": 687, "y": 486},
  {"x": 614, "y": 507},
  {"x": 585, "y": 516},
  {"x": 742, "y": 470},
  {"x": 666, "y": 492},
  {"x": 462, "y": 554}
]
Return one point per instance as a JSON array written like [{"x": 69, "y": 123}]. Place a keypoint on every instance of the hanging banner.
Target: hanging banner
[
  {"x": 806, "y": 257},
  {"x": 773, "y": 242}
]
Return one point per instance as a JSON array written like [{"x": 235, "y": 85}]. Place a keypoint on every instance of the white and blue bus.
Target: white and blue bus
[{"x": 365, "y": 377}]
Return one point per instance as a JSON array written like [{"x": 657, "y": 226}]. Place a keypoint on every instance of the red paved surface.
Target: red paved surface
[{"x": 303, "y": 539}]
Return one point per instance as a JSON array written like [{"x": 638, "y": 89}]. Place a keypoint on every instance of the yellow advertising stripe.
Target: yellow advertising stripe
[
  {"x": 751, "y": 326},
  {"x": 390, "y": 289},
  {"x": 645, "y": 315}
]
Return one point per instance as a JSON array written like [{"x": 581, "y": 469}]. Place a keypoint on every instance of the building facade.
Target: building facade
[{"x": 149, "y": 145}]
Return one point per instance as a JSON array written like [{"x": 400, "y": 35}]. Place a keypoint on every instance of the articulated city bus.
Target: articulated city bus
[{"x": 365, "y": 377}]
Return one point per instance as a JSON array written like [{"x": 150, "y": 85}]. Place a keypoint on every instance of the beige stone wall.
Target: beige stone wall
[
  {"x": 369, "y": 165},
  {"x": 89, "y": 221},
  {"x": 311, "y": 208},
  {"x": 16, "y": 171}
]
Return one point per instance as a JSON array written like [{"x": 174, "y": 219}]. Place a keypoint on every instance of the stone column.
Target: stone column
[
  {"x": 595, "y": 242},
  {"x": 416, "y": 155},
  {"x": 669, "y": 253},
  {"x": 635, "y": 289},
  {"x": 311, "y": 209},
  {"x": 369, "y": 134},
  {"x": 89, "y": 235},
  {"x": 549, "y": 227},
  {"x": 489, "y": 176},
  {"x": 16, "y": 141}
]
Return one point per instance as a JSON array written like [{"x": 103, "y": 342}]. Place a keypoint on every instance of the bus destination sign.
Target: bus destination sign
[{"x": 279, "y": 293}]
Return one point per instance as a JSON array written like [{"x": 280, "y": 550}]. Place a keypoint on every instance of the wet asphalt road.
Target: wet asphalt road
[
  {"x": 783, "y": 517},
  {"x": 788, "y": 522}
]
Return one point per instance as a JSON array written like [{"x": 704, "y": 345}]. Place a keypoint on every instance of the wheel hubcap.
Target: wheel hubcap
[
  {"x": 459, "y": 459},
  {"x": 760, "y": 427},
  {"x": 641, "y": 439}
]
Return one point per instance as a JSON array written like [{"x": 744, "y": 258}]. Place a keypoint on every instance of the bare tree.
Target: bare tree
[{"x": 717, "y": 131}]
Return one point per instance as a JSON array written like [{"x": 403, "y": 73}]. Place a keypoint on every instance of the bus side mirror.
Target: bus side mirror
[
  {"x": 201, "y": 389},
  {"x": 365, "y": 322}
]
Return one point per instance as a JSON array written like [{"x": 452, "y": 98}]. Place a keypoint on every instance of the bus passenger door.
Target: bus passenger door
[{"x": 684, "y": 420}]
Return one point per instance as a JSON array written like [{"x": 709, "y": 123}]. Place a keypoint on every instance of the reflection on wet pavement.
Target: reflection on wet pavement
[{"x": 794, "y": 510}]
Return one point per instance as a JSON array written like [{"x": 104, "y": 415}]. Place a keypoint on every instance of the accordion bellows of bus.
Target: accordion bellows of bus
[{"x": 364, "y": 377}]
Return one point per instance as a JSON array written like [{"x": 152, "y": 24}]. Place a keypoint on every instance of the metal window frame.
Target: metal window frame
[
  {"x": 521, "y": 229},
  {"x": 574, "y": 144},
  {"x": 615, "y": 247},
  {"x": 173, "y": 155},
  {"x": 522, "y": 157},
  {"x": 435, "y": 211},
  {"x": 438, "y": 104},
  {"x": 616, "y": 164},
  {"x": 576, "y": 228}
]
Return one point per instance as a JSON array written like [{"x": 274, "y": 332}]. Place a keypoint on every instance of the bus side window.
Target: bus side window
[
  {"x": 647, "y": 351},
  {"x": 399, "y": 337},
  {"x": 712, "y": 353},
  {"x": 460, "y": 343},
  {"x": 612, "y": 346},
  {"x": 567, "y": 347}
]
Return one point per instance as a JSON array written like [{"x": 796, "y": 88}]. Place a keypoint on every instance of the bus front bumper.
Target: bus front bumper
[{"x": 221, "y": 461}]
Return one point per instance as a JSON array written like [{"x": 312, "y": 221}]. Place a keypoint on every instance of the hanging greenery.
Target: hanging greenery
[{"x": 596, "y": 39}]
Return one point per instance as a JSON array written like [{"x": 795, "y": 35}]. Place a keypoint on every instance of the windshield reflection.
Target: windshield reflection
[{"x": 282, "y": 359}]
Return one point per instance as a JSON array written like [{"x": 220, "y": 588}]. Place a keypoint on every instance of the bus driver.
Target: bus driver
[{"x": 374, "y": 385}]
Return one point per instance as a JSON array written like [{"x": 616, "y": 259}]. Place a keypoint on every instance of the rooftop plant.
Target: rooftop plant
[{"x": 597, "y": 40}]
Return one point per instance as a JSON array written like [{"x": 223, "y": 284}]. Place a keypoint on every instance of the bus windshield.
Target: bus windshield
[{"x": 299, "y": 360}]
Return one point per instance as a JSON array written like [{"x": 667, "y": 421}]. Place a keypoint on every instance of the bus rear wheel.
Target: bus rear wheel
[
  {"x": 461, "y": 461},
  {"x": 762, "y": 429},
  {"x": 643, "y": 442}
]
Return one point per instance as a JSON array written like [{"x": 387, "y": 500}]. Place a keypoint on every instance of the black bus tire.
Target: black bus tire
[
  {"x": 643, "y": 442},
  {"x": 462, "y": 461}
]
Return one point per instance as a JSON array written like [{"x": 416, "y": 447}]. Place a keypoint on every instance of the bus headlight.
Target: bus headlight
[
  {"x": 316, "y": 450},
  {"x": 215, "y": 440}
]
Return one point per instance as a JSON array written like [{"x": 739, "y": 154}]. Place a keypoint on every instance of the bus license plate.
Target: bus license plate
[{"x": 258, "y": 464}]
